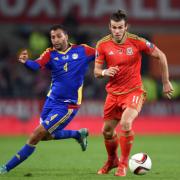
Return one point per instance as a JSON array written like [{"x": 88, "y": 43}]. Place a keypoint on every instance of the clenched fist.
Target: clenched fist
[{"x": 23, "y": 56}]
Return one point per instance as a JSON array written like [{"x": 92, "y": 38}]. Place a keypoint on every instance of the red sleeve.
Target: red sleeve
[
  {"x": 100, "y": 56},
  {"x": 89, "y": 50},
  {"x": 44, "y": 58},
  {"x": 145, "y": 45}
]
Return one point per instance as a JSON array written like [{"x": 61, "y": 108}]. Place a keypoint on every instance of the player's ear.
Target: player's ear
[
  {"x": 127, "y": 27},
  {"x": 67, "y": 37},
  {"x": 110, "y": 26}
]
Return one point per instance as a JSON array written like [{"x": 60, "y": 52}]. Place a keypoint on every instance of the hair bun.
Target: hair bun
[{"x": 121, "y": 12}]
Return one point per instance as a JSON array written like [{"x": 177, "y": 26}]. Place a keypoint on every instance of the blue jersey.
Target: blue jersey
[{"x": 67, "y": 69}]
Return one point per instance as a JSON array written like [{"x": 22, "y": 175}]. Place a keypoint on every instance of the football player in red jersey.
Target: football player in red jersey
[{"x": 121, "y": 51}]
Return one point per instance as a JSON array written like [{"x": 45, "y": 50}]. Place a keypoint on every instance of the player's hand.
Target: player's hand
[
  {"x": 23, "y": 56},
  {"x": 111, "y": 71},
  {"x": 168, "y": 89}
]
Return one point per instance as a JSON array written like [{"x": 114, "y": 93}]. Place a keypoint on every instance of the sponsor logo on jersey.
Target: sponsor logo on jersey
[
  {"x": 120, "y": 51},
  {"x": 65, "y": 57},
  {"x": 56, "y": 58},
  {"x": 47, "y": 122},
  {"x": 111, "y": 53},
  {"x": 75, "y": 56},
  {"x": 129, "y": 51},
  {"x": 148, "y": 44},
  {"x": 53, "y": 117}
]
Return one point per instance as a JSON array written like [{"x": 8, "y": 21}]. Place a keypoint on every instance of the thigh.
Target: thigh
[
  {"x": 58, "y": 118},
  {"x": 44, "y": 114},
  {"x": 47, "y": 108},
  {"x": 135, "y": 100},
  {"x": 111, "y": 109},
  {"x": 129, "y": 115}
]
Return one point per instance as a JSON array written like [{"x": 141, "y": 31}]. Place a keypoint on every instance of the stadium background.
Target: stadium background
[{"x": 25, "y": 24}]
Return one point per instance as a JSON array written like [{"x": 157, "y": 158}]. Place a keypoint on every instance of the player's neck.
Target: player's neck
[
  {"x": 120, "y": 41},
  {"x": 66, "y": 47}
]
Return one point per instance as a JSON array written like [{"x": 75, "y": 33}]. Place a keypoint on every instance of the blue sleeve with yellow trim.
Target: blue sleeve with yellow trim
[
  {"x": 33, "y": 65},
  {"x": 41, "y": 62}
]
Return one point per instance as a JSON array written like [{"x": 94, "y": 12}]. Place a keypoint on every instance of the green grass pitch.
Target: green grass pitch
[{"x": 59, "y": 160}]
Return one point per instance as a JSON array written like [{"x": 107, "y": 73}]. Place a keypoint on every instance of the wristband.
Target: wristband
[{"x": 103, "y": 71}]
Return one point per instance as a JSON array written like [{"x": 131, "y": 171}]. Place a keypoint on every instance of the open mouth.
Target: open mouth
[{"x": 57, "y": 45}]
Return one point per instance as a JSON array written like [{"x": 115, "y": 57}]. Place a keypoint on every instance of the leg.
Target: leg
[
  {"x": 57, "y": 119},
  {"x": 111, "y": 144},
  {"x": 127, "y": 135},
  {"x": 110, "y": 138},
  {"x": 80, "y": 136},
  {"x": 126, "y": 139},
  {"x": 62, "y": 134},
  {"x": 39, "y": 133}
]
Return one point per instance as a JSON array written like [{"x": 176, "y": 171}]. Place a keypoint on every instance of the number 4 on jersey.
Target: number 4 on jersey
[{"x": 66, "y": 67}]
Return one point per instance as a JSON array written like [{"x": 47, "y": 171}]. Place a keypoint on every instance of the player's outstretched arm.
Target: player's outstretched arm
[
  {"x": 167, "y": 86},
  {"x": 24, "y": 58}
]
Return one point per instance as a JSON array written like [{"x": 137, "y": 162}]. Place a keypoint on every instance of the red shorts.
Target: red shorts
[{"x": 116, "y": 104}]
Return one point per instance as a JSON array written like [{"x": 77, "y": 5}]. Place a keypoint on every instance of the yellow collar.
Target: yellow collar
[{"x": 64, "y": 52}]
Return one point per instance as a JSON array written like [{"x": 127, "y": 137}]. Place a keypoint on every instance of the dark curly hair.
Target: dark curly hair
[
  {"x": 59, "y": 26},
  {"x": 118, "y": 16}
]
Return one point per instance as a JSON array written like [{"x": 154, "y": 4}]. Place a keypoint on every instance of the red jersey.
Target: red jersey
[{"x": 127, "y": 56}]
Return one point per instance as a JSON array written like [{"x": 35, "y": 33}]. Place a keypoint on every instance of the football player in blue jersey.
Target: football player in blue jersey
[{"x": 68, "y": 64}]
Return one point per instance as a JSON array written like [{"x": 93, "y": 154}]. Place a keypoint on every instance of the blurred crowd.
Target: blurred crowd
[{"x": 16, "y": 81}]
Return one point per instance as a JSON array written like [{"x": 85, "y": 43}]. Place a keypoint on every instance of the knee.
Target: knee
[
  {"x": 47, "y": 137},
  {"x": 36, "y": 136},
  {"x": 107, "y": 133},
  {"x": 126, "y": 124}
]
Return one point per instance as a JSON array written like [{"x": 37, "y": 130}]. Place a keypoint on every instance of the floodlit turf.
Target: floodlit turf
[{"x": 65, "y": 160}]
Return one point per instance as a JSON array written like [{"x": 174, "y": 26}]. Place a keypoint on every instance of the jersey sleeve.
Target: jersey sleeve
[
  {"x": 145, "y": 46},
  {"x": 100, "y": 56},
  {"x": 89, "y": 51},
  {"x": 44, "y": 58},
  {"x": 33, "y": 65}
]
